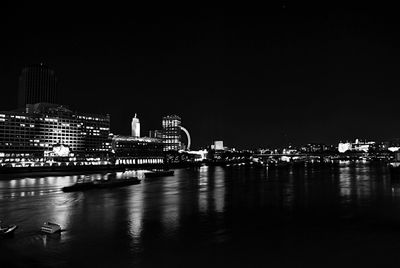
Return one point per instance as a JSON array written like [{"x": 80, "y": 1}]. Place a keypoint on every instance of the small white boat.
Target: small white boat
[
  {"x": 50, "y": 228},
  {"x": 7, "y": 230}
]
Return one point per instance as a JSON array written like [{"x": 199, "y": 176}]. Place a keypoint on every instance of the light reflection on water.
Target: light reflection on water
[
  {"x": 196, "y": 206},
  {"x": 345, "y": 184},
  {"x": 356, "y": 185},
  {"x": 219, "y": 190},
  {"x": 136, "y": 216},
  {"x": 203, "y": 187}
]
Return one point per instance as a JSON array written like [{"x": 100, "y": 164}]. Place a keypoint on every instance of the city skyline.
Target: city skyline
[
  {"x": 148, "y": 135},
  {"x": 284, "y": 75}
]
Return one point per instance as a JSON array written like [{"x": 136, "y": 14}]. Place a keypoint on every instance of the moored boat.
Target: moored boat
[
  {"x": 79, "y": 186},
  {"x": 99, "y": 184},
  {"x": 7, "y": 231},
  {"x": 50, "y": 228}
]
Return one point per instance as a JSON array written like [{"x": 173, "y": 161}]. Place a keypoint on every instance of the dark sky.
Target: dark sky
[{"x": 251, "y": 76}]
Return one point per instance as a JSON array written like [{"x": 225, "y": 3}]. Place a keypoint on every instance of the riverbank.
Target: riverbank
[{"x": 13, "y": 172}]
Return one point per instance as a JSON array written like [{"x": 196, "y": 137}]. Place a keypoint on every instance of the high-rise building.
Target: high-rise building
[
  {"x": 171, "y": 135},
  {"x": 37, "y": 83},
  {"x": 135, "y": 127}
]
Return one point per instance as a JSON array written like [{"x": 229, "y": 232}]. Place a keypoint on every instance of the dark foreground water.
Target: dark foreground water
[{"x": 348, "y": 216}]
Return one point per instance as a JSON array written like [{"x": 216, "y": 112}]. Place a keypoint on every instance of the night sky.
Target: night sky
[{"x": 253, "y": 77}]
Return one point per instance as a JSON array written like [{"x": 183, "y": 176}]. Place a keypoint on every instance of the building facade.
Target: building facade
[
  {"x": 129, "y": 150},
  {"x": 218, "y": 145},
  {"x": 357, "y": 146},
  {"x": 47, "y": 134},
  {"x": 37, "y": 83},
  {"x": 157, "y": 134},
  {"x": 171, "y": 133}
]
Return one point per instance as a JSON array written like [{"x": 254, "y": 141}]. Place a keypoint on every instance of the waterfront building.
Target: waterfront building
[
  {"x": 393, "y": 149},
  {"x": 130, "y": 150},
  {"x": 171, "y": 135},
  {"x": 267, "y": 151},
  {"x": 37, "y": 83},
  {"x": 314, "y": 148},
  {"x": 135, "y": 127},
  {"x": 344, "y": 147},
  {"x": 50, "y": 134},
  {"x": 199, "y": 155},
  {"x": 157, "y": 134},
  {"x": 218, "y": 145},
  {"x": 390, "y": 145},
  {"x": 357, "y": 146}
]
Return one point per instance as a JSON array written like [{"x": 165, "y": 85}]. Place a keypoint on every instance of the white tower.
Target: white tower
[{"x": 135, "y": 127}]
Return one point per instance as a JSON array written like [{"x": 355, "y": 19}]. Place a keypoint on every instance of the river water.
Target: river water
[{"x": 240, "y": 216}]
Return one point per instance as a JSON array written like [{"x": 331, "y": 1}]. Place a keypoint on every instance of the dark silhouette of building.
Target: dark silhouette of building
[{"x": 37, "y": 84}]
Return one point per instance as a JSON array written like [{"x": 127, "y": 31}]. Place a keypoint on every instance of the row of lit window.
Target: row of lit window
[
  {"x": 49, "y": 126},
  {"x": 65, "y": 141},
  {"x": 91, "y": 118},
  {"x": 48, "y": 120},
  {"x": 139, "y": 161}
]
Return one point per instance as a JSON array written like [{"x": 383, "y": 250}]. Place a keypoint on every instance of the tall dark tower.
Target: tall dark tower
[{"x": 37, "y": 83}]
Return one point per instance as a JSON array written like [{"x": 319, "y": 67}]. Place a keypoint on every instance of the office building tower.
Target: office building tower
[
  {"x": 135, "y": 127},
  {"x": 37, "y": 84},
  {"x": 171, "y": 135}
]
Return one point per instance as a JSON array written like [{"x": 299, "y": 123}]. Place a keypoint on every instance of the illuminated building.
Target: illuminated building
[
  {"x": 157, "y": 134},
  {"x": 135, "y": 127},
  {"x": 171, "y": 135},
  {"x": 315, "y": 148},
  {"x": 137, "y": 151},
  {"x": 344, "y": 146},
  {"x": 47, "y": 134},
  {"x": 199, "y": 155},
  {"x": 218, "y": 145},
  {"x": 37, "y": 83},
  {"x": 358, "y": 146},
  {"x": 393, "y": 149}
]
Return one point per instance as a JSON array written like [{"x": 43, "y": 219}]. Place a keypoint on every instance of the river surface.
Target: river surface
[{"x": 345, "y": 215}]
